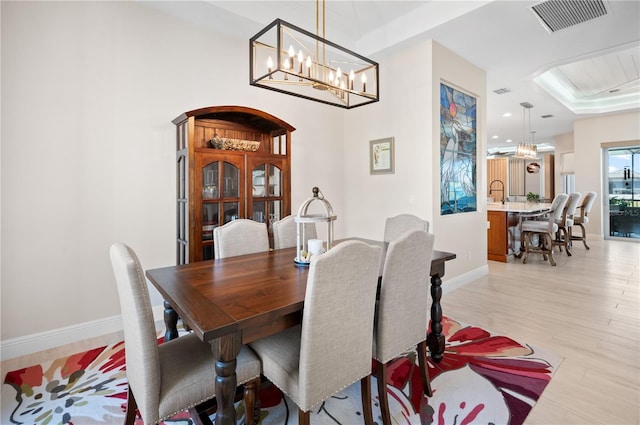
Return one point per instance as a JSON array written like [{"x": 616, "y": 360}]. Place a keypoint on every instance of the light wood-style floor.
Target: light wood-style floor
[{"x": 586, "y": 310}]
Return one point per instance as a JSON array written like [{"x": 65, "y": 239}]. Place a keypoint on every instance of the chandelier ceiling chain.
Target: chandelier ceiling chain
[{"x": 321, "y": 71}]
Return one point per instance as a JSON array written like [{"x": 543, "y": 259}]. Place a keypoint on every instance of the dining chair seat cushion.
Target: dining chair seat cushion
[
  {"x": 279, "y": 362},
  {"x": 537, "y": 226},
  {"x": 581, "y": 220},
  {"x": 568, "y": 222},
  {"x": 185, "y": 363}
]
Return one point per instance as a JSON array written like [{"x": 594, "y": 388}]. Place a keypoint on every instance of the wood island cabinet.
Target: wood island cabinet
[
  {"x": 232, "y": 162},
  {"x": 498, "y": 236}
]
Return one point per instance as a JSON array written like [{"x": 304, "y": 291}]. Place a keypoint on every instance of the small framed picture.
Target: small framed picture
[{"x": 381, "y": 156}]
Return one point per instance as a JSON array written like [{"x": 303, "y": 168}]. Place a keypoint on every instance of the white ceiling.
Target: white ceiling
[{"x": 581, "y": 63}]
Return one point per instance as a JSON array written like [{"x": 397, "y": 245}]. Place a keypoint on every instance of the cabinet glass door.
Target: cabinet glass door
[
  {"x": 275, "y": 181},
  {"x": 220, "y": 198},
  {"x": 266, "y": 203}
]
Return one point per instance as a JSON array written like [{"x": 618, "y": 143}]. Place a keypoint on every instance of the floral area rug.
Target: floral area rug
[{"x": 483, "y": 379}]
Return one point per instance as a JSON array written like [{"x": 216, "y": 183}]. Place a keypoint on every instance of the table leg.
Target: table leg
[
  {"x": 170, "y": 322},
  {"x": 226, "y": 349},
  {"x": 435, "y": 339}
]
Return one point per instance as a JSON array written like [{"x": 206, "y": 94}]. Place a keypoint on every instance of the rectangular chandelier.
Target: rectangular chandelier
[{"x": 290, "y": 60}]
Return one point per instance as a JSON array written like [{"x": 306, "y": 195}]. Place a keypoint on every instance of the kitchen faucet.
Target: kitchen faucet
[{"x": 491, "y": 189}]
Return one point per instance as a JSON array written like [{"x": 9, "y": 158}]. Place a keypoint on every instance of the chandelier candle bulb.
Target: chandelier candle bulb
[
  {"x": 352, "y": 76},
  {"x": 364, "y": 82},
  {"x": 270, "y": 67}
]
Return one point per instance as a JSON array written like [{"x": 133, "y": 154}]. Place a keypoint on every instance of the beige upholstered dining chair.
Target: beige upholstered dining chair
[
  {"x": 544, "y": 226},
  {"x": 402, "y": 309},
  {"x": 581, "y": 219},
  {"x": 565, "y": 223},
  {"x": 240, "y": 237},
  {"x": 332, "y": 347},
  {"x": 395, "y": 226},
  {"x": 175, "y": 375},
  {"x": 285, "y": 232}
]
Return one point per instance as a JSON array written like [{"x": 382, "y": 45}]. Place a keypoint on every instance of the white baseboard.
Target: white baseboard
[
  {"x": 449, "y": 285},
  {"x": 34, "y": 343}
]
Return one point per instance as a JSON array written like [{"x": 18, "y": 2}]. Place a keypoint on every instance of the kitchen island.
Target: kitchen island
[{"x": 503, "y": 236}]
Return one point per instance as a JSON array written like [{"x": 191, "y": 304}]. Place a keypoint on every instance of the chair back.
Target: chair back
[
  {"x": 570, "y": 208},
  {"x": 285, "y": 232},
  {"x": 240, "y": 237},
  {"x": 140, "y": 339},
  {"x": 337, "y": 322},
  {"x": 557, "y": 207},
  {"x": 585, "y": 208},
  {"x": 395, "y": 226},
  {"x": 402, "y": 309}
]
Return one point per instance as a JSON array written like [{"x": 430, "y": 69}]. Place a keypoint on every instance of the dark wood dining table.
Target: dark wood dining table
[{"x": 236, "y": 300}]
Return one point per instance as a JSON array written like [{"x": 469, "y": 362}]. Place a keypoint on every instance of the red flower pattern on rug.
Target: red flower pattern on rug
[{"x": 483, "y": 378}]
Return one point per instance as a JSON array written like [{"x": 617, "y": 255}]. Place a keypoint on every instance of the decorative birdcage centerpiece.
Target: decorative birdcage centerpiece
[{"x": 306, "y": 248}]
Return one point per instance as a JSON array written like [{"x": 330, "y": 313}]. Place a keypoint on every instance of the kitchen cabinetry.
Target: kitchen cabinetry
[
  {"x": 498, "y": 236},
  {"x": 232, "y": 162}
]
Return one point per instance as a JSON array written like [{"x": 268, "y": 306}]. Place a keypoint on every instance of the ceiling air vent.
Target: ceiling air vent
[
  {"x": 559, "y": 14},
  {"x": 502, "y": 91},
  {"x": 546, "y": 116}
]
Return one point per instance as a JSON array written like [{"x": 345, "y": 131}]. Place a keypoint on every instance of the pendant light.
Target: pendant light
[
  {"x": 290, "y": 60},
  {"x": 526, "y": 150}
]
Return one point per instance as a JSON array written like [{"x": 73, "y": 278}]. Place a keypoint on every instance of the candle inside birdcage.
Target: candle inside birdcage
[{"x": 307, "y": 248}]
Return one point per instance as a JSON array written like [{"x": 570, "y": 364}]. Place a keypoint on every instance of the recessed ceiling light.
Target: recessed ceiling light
[
  {"x": 495, "y": 136},
  {"x": 509, "y": 140},
  {"x": 507, "y": 114}
]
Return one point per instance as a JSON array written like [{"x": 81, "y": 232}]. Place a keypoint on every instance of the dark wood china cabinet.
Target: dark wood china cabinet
[{"x": 232, "y": 162}]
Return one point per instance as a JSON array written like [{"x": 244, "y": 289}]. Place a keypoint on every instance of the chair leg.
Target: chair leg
[
  {"x": 527, "y": 242},
  {"x": 303, "y": 418},
  {"x": 365, "y": 390},
  {"x": 547, "y": 238},
  {"x": 252, "y": 401},
  {"x": 567, "y": 241},
  {"x": 383, "y": 400},
  {"x": 584, "y": 236},
  {"x": 424, "y": 370},
  {"x": 559, "y": 239},
  {"x": 132, "y": 405}
]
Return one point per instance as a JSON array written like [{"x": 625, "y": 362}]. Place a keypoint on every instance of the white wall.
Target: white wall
[
  {"x": 89, "y": 90},
  {"x": 562, "y": 143},
  {"x": 589, "y": 135},
  {"x": 586, "y": 143},
  {"x": 409, "y": 111}
]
